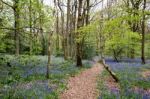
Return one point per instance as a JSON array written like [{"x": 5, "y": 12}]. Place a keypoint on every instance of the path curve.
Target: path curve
[{"x": 83, "y": 85}]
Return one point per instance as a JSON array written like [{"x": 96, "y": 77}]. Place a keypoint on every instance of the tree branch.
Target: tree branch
[{"x": 7, "y": 4}]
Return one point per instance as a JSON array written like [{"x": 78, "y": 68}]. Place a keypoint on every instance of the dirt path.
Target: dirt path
[{"x": 83, "y": 86}]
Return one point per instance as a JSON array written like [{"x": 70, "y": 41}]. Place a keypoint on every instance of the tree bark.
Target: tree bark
[
  {"x": 40, "y": 4},
  {"x": 143, "y": 34},
  {"x": 74, "y": 27},
  {"x": 68, "y": 28},
  {"x": 109, "y": 70},
  {"x": 87, "y": 12},
  {"x": 30, "y": 25},
  {"x": 16, "y": 26},
  {"x": 49, "y": 55},
  {"x": 57, "y": 32},
  {"x": 64, "y": 39},
  {"x": 64, "y": 36},
  {"x": 78, "y": 44}
]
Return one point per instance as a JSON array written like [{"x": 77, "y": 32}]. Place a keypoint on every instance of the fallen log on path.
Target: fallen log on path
[{"x": 109, "y": 70}]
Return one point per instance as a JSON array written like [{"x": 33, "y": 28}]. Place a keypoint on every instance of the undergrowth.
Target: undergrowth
[
  {"x": 129, "y": 79},
  {"x": 24, "y": 77}
]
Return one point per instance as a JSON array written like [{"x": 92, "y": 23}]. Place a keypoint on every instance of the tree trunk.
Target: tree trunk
[
  {"x": 57, "y": 31},
  {"x": 109, "y": 70},
  {"x": 87, "y": 12},
  {"x": 115, "y": 56},
  {"x": 30, "y": 24},
  {"x": 143, "y": 34},
  {"x": 49, "y": 55},
  {"x": 78, "y": 44},
  {"x": 64, "y": 40},
  {"x": 74, "y": 26},
  {"x": 101, "y": 38},
  {"x": 68, "y": 28},
  {"x": 64, "y": 36},
  {"x": 16, "y": 26},
  {"x": 43, "y": 41}
]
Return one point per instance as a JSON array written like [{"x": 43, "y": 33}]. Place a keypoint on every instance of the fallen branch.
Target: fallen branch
[{"x": 109, "y": 70}]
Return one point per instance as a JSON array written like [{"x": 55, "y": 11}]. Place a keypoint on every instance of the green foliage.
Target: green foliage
[
  {"x": 2, "y": 44},
  {"x": 59, "y": 53},
  {"x": 119, "y": 37},
  {"x": 142, "y": 84},
  {"x": 42, "y": 17},
  {"x": 89, "y": 51},
  {"x": 87, "y": 37},
  {"x": 87, "y": 32},
  {"x": 6, "y": 42}
]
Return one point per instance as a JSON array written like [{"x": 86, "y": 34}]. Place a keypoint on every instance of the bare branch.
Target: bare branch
[
  {"x": 95, "y": 3},
  {"x": 7, "y": 4}
]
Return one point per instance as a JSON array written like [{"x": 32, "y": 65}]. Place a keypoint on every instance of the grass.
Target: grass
[
  {"x": 25, "y": 78},
  {"x": 130, "y": 77}
]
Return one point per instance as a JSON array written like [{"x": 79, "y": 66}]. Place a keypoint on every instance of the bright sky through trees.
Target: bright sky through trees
[{"x": 50, "y": 2}]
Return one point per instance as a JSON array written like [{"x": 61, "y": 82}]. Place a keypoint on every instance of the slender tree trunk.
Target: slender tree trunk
[
  {"x": 87, "y": 12},
  {"x": 57, "y": 30},
  {"x": 64, "y": 39},
  {"x": 74, "y": 21},
  {"x": 64, "y": 36},
  {"x": 40, "y": 4},
  {"x": 101, "y": 38},
  {"x": 43, "y": 42},
  {"x": 143, "y": 35},
  {"x": 115, "y": 56},
  {"x": 57, "y": 27},
  {"x": 68, "y": 28},
  {"x": 49, "y": 55},
  {"x": 30, "y": 24},
  {"x": 65, "y": 47},
  {"x": 78, "y": 44},
  {"x": 16, "y": 26}
]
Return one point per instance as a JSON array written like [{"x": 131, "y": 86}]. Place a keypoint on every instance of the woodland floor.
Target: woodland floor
[{"x": 83, "y": 85}]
